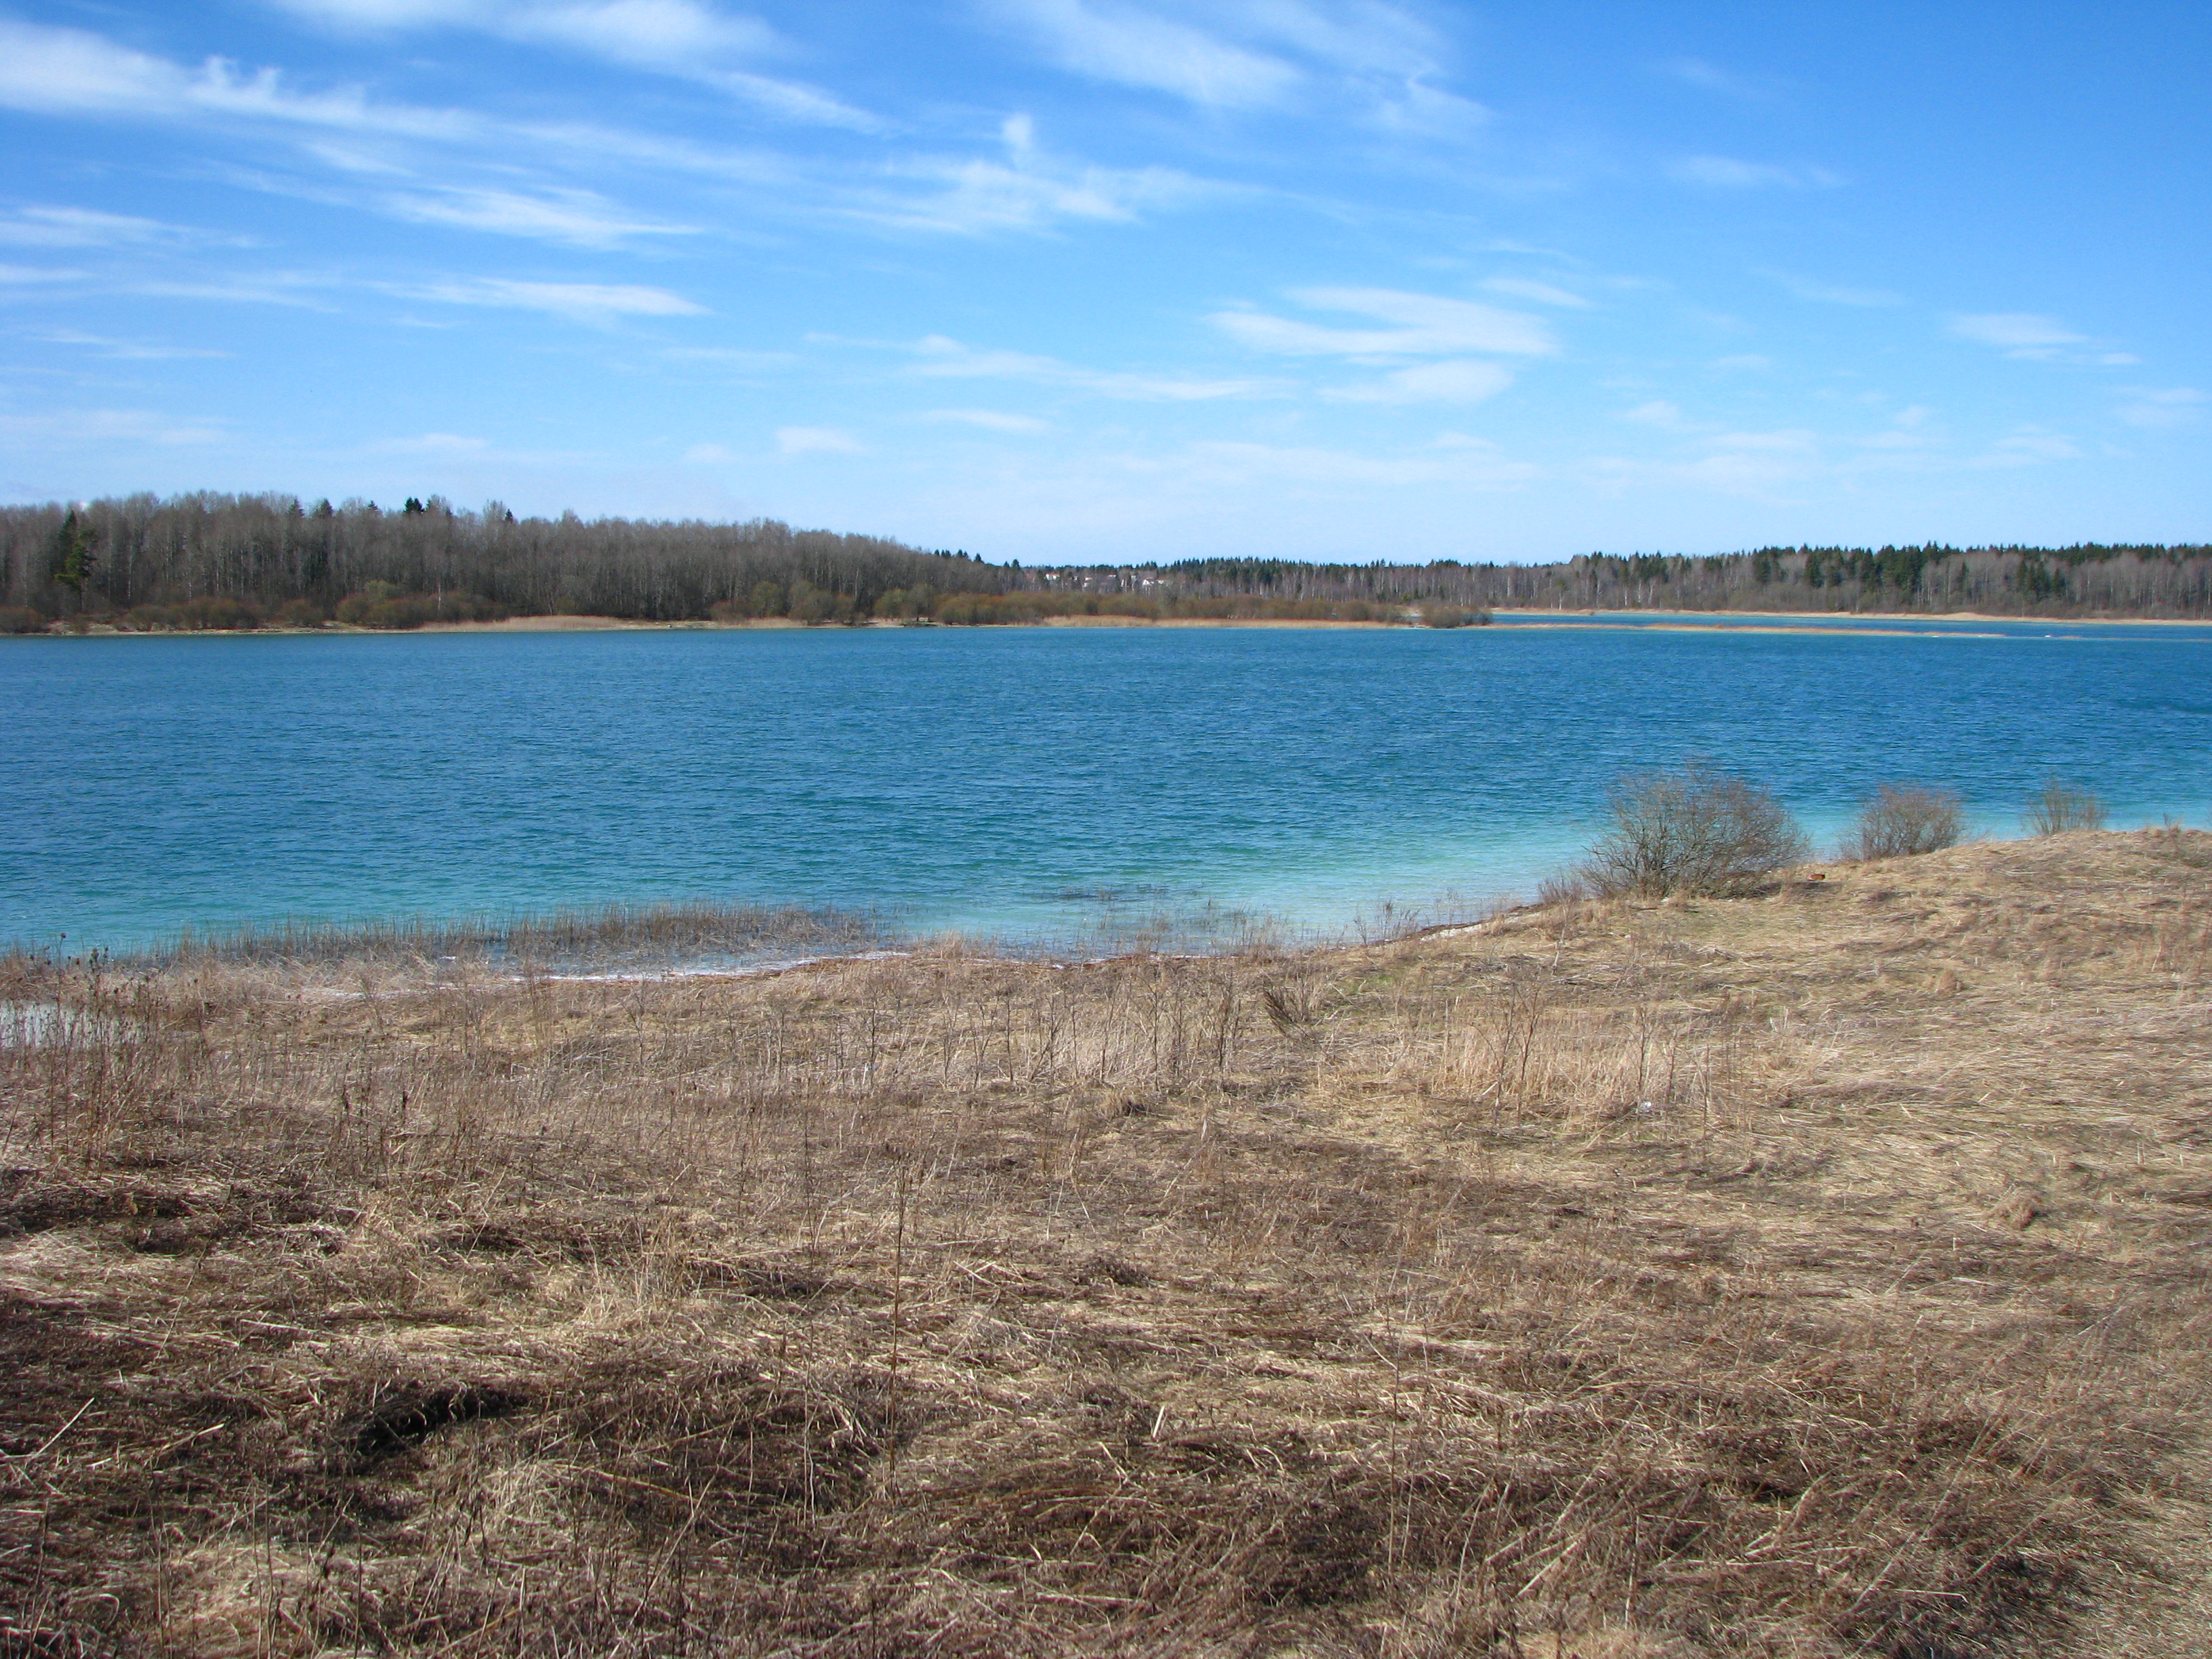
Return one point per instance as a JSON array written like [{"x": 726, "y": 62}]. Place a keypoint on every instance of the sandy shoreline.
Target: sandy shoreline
[{"x": 1835, "y": 621}]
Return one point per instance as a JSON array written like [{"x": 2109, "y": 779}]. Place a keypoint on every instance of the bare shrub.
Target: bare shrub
[
  {"x": 1902, "y": 820},
  {"x": 1691, "y": 830},
  {"x": 2061, "y": 807},
  {"x": 1563, "y": 887}
]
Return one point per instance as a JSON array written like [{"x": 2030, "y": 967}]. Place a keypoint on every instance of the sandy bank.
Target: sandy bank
[{"x": 1814, "y": 622}]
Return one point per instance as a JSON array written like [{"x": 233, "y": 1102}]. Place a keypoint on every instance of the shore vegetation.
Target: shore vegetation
[
  {"x": 1691, "y": 830},
  {"x": 2060, "y": 807},
  {"x": 1815, "y": 1272},
  {"x": 1904, "y": 820},
  {"x": 144, "y": 561}
]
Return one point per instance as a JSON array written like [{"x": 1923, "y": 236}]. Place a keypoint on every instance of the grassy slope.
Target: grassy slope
[{"x": 1817, "y": 1274}]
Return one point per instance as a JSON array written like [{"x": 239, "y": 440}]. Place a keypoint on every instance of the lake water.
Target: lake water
[{"x": 1030, "y": 783}]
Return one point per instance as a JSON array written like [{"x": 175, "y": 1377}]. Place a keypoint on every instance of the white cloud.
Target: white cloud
[
  {"x": 1363, "y": 36},
  {"x": 1029, "y": 190},
  {"x": 2153, "y": 409},
  {"x": 939, "y": 358},
  {"x": 1135, "y": 48},
  {"x": 1658, "y": 412},
  {"x": 1712, "y": 77},
  {"x": 677, "y": 38},
  {"x": 581, "y": 301},
  {"x": 103, "y": 425},
  {"x": 989, "y": 420},
  {"x": 578, "y": 217},
  {"x": 1835, "y": 294},
  {"x": 1422, "y": 111},
  {"x": 75, "y": 227},
  {"x": 1723, "y": 173},
  {"x": 2037, "y": 338},
  {"x": 123, "y": 350},
  {"x": 2021, "y": 333},
  {"x": 30, "y": 275},
  {"x": 1453, "y": 459},
  {"x": 1455, "y": 380},
  {"x": 817, "y": 441},
  {"x": 1790, "y": 440},
  {"x": 1243, "y": 55},
  {"x": 1418, "y": 325},
  {"x": 279, "y": 287},
  {"x": 2030, "y": 448},
  {"x": 431, "y": 443},
  {"x": 1543, "y": 293},
  {"x": 59, "y": 71},
  {"x": 730, "y": 356}
]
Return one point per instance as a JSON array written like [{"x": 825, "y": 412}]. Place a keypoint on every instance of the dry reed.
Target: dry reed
[{"x": 1815, "y": 1274}]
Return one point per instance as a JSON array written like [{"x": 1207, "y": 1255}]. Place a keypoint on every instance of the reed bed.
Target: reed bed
[
  {"x": 1812, "y": 1273},
  {"x": 612, "y": 938}
]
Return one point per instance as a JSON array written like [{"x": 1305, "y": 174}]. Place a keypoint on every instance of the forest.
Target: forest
[{"x": 208, "y": 561}]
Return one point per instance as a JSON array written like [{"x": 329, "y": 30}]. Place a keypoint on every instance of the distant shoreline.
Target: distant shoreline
[
  {"x": 1735, "y": 621},
  {"x": 1762, "y": 619}
]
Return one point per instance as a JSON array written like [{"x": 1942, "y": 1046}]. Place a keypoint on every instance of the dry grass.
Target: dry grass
[{"x": 1819, "y": 1273}]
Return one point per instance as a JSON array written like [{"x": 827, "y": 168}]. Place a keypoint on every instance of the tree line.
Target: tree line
[{"x": 219, "y": 561}]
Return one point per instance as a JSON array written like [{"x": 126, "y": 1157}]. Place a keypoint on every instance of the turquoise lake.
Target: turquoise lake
[{"x": 1037, "y": 785}]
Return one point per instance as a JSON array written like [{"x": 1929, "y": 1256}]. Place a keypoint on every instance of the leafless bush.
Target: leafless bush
[
  {"x": 1563, "y": 887},
  {"x": 2061, "y": 807},
  {"x": 1691, "y": 830},
  {"x": 1901, "y": 820}
]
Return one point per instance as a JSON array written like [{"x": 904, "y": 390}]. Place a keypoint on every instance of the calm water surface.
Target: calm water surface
[{"x": 1020, "y": 781}]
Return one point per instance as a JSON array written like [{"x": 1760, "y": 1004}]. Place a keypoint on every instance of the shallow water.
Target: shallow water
[{"x": 1035, "y": 783}]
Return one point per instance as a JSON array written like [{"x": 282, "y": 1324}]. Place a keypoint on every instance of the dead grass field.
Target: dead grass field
[{"x": 1818, "y": 1273}]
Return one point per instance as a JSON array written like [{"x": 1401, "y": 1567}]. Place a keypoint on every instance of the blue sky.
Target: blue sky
[{"x": 1113, "y": 279}]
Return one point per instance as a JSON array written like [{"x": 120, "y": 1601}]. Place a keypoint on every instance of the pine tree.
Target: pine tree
[{"x": 72, "y": 563}]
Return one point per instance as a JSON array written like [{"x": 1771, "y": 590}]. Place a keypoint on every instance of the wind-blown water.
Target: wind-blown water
[{"x": 1009, "y": 781}]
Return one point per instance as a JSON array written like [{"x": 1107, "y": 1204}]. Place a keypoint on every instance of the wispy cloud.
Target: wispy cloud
[
  {"x": 2021, "y": 333},
  {"x": 1137, "y": 48},
  {"x": 76, "y": 226},
  {"x": 36, "y": 276},
  {"x": 1709, "y": 76},
  {"x": 1725, "y": 173},
  {"x": 1238, "y": 55},
  {"x": 1027, "y": 190},
  {"x": 817, "y": 441},
  {"x": 579, "y": 218},
  {"x": 431, "y": 443},
  {"x": 1544, "y": 294},
  {"x": 591, "y": 302},
  {"x": 2038, "y": 338},
  {"x": 84, "y": 425},
  {"x": 123, "y": 350},
  {"x": 677, "y": 38},
  {"x": 304, "y": 290},
  {"x": 1415, "y": 325},
  {"x": 987, "y": 420},
  {"x": 1835, "y": 293},
  {"x": 2029, "y": 448},
  {"x": 2156, "y": 408},
  {"x": 1455, "y": 380},
  {"x": 938, "y": 358},
  {"x": 61, "y": 72}
]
